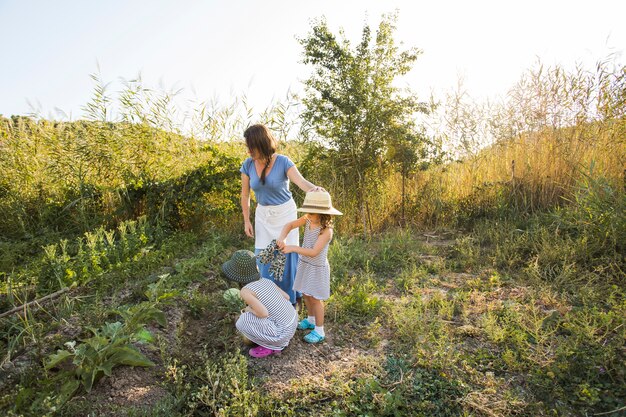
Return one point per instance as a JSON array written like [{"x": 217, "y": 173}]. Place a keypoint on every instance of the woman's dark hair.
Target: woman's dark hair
[{"x": 258, "y": 137}]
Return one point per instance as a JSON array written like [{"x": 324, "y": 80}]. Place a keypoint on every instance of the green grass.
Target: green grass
[{"x": 449, "y": 342}]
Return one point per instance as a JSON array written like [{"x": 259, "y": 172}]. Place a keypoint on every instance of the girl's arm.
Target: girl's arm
[
  {"x": 294, "y": 176},
  {"x": 321, "y": 241},
  {"x": 280, "y": 241},
  {"x": 258, "y": 309},
  {"x": 245, "y": 205}
]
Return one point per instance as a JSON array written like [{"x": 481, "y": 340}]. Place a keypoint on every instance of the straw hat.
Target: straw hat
[
  {"x": 241, "y": 267},
  {"x": 318, "y": 202}
]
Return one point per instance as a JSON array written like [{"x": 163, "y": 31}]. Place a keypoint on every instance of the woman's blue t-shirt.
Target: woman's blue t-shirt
[{"x": 275, "y": 191}]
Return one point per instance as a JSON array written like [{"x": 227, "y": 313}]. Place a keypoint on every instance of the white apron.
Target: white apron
[{"x": 269, "y": 222}]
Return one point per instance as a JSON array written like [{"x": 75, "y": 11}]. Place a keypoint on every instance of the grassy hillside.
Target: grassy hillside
[{"x": 493, "y": 287}]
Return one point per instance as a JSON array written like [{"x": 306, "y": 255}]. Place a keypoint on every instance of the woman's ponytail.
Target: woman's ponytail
[{"x": 267, "y": 164}]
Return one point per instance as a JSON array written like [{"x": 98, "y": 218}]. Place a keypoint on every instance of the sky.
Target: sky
[{"x": 215, "y": 50}]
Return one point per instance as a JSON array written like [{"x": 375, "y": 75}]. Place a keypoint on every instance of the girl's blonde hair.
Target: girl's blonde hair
[{"x": 259, "y": 137}]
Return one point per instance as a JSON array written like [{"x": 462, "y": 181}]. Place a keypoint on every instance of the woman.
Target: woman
[{"x": 268, "y": 174}]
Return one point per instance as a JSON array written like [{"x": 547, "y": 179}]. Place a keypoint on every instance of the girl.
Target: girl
[
  {"x": 269, "y": 320},
  {"x": 313, "y": 271}
]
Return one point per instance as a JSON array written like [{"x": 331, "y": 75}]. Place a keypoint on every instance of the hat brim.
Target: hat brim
[
  {"x": 332, "y": 211},
  {"x": 227, "y": 269}
]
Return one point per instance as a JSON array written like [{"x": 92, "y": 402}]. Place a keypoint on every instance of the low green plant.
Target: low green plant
[
  {"x": 403, "y": 390},
  {"x": 467, "y": 254},
  {"x": 199, "y": 303},
  {"x": 66, "y": 263},
  {"x": 109, "y": 346},
  {"x": 161, "y": 291},
  {"x": 357, "y": 299},
  {"x": 221, "y": 387},
  {"x": 412, "y": 278},
  {"x": 346, "y": 256}
]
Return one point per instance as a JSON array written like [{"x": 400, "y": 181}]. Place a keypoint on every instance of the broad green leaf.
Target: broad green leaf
[
  {"x": 160, "y": 318},
  {"x": 97, "y": 342},
  {"x": 144, "y": 335},
  {"x": 152, "y": 313},
  {"x": 88, "y": 378},
  {"x": 111, "y": 330},
  {"x": 107, "y": 367},
  {"x": 67, "y": 390},
  {"x": 56, "y": 358},
  {"x": 127, "y": 355}
]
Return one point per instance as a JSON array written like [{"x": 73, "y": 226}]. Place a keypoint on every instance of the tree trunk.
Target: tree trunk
[
  {"x": 403, "y": 199},
  {"x": 362, "y": 197},
  {"x": 364, "y": 216}
]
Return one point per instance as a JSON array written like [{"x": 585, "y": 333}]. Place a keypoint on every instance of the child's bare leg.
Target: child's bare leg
[
  {"x": 310, "y": 308},
  {"x": 317, "y": 311},
  {"x": 307, "y": 304}
]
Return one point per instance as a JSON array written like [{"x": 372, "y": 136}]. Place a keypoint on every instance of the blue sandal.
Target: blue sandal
[
  {"x": 305, "y": 325},
  {"x": 314, "y": 337}
]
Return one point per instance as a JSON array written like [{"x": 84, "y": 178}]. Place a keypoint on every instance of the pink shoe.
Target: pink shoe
[{"x": 261, "y": 352}]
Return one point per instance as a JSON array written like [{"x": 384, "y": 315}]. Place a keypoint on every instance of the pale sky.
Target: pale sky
[{"x": 218, "y": 49}]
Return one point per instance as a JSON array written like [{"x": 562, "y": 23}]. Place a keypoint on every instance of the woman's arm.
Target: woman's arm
[
  {"x": 322, "y": 240},
  {"x": 245, "y": 205},
  {"x": 258, "y": 309},
  {"x": 294, "y": 176},
  {"x": 280, "y": 241}
]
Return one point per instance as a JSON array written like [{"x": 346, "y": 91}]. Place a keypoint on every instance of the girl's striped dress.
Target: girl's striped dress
[
  {"x": 276, "y": 330},
  {"x": 313, "y": 274}
]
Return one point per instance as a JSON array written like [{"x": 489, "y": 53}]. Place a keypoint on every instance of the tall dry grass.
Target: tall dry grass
[{"x": 554, "y": 130}]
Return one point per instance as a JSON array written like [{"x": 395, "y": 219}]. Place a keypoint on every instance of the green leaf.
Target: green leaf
[
  {"x": 111, "y": 330},
  {"x": 160, "y": 318},
  {"x": 68, "y": 390},
  {"x": 93, "y": 330},
  {"x": 96, "y": 343},
  {"x": 169, "y": 294},
  {"x": 89, "y": 378},
  {"x": 144, "y": 335},
  {"x": 128, "y": 355},
  {"x": 56, "y": 358},
  {"x": 107, "y": 367}
]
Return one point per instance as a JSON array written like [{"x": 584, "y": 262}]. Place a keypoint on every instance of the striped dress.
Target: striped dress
[
  {"x": 276, "y": 330},
  {"x": 313, "y": 274}
]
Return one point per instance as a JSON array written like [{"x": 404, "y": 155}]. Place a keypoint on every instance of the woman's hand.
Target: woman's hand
[
  {"x": 317, "y": 188},
  {"x": 248, "y": 229},
  {"x": 280, "y": 244}
]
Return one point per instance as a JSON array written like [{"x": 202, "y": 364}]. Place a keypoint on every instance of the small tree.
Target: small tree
[
  {"x": 352, "y": 103},
  {"x": 404, "y": 152}
]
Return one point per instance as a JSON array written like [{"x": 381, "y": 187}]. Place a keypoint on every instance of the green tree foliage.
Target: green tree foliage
[
  {"x": 353, "y": 104},
  {"x": 404, "y": 152}
]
